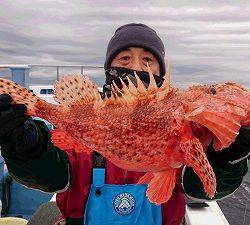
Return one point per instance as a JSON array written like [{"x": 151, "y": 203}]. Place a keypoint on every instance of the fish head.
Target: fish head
[{"x": 221, "y": 108}]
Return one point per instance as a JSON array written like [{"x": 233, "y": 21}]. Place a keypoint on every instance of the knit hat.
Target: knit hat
[{"x": 136, "y": 35}]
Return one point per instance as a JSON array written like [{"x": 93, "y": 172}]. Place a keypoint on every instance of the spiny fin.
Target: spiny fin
[
  {"x": 76, "y": 89},
  {"x": 137, "y": 94},
  {"x": 195, "y": 157},
  {"x": 65, "y": 142},
  {"x": 161, "y": 185},
  {"x": 166, "y": 87},
  {"x": 20, "y": 95}
]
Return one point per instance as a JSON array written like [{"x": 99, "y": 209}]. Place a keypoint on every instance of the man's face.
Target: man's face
[{"x": 136, "y": 59}]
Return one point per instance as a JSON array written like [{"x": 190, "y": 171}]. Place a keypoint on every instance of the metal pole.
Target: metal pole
[
  {"x": 57, "y": 73},
  {"x": 11, "y": 74},
  {"x": 82, "y": 70}
]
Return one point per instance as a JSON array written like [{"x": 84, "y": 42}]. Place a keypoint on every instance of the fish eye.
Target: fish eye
[{"x": 213, "y": 90}]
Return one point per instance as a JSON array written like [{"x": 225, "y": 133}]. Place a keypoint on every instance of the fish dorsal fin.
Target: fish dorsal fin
[
  {"x": 123, "y": 96},
  {"x": 76, "y": 89},
  {"x": 138, "y": 94}
]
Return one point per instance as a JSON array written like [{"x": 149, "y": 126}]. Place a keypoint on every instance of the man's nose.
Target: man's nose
[{"x": 136, "y": 64}]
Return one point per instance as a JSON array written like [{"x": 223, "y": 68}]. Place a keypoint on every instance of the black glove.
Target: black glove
[
  {"x": 245, "y": 135},
  {"x": 18, "y": 132},
  {"x": 237, "y": 151}
]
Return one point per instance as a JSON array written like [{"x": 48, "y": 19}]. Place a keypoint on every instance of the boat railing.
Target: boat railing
[{"x": 48, "y": 73}]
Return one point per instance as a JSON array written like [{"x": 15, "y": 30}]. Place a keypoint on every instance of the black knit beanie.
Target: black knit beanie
[{"x": 136, "y": 35}]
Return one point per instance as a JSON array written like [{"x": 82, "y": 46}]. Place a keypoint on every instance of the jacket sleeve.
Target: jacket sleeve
[
  {"x": 44, "y": 167},
  {"x": 229, "y": 166}
]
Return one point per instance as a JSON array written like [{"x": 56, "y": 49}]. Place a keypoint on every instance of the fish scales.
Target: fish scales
[{"x": 138, "y": 134}]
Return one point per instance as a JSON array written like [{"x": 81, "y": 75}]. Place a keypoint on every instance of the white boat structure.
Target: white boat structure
[
  {"x": 45, "y": 92},
  {"x": 209, "y": 214}
]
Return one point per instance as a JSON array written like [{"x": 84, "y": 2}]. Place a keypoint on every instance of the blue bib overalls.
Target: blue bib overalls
[{"x": 119, "y": 204}]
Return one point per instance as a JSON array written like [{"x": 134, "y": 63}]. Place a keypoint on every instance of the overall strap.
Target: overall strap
[{"x": 99, "y": 163}]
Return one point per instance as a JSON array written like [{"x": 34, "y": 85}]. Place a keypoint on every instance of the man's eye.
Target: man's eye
[
  {"x": 147, "y": 59},
  {"x": 125, "y": 58}
]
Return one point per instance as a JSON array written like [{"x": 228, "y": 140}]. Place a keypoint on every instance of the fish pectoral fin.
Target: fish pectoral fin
[
  {"x": 65, "y": 142},
  {"x": 161, "y": 185},
  {"x": 224, "y": 125},
  {"x": 195, "y": 157},
  {"x": 246, "y": 122},
  {"x": 77, "y": 90}
]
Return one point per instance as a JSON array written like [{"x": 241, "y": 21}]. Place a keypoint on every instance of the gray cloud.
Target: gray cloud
[{"x": 206, "y": 41}]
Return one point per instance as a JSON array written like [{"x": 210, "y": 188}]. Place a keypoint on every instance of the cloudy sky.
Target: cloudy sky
[{"x": 206, "y": 41}]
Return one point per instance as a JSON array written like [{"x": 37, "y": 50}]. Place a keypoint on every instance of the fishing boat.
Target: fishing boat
[{"x": 22, "y": 202}]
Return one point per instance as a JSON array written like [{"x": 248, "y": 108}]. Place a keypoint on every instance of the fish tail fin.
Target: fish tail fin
[
  {"x": 161, "y": 185},
  {"x": 65, "y": 142},
  {"x": 20, "y": 95},
  {"x": 76, "y": 90},
  {"x": 196, "y": 158}
]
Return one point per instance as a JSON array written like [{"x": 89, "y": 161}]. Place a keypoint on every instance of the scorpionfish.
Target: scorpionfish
[{"x": 146, "y": 129}]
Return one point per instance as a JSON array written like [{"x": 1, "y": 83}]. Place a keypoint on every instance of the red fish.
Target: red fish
[{"x": 153, "y": 130}]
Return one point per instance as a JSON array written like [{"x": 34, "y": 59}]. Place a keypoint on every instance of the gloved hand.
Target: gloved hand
[
  {"x": 18, "y": 132},
  {"x": 244, "y": 134},
  {"x": 237, "y": 151}
]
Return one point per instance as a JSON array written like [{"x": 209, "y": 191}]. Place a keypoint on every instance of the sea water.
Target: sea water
[{"x": 236, "y": 207}]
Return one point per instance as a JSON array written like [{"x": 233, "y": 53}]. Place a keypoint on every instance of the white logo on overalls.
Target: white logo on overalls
[{"x": 124, "y": 203}]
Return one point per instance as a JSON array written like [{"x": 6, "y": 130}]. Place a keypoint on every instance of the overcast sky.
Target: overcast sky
[{"x": 206, "y": 41}]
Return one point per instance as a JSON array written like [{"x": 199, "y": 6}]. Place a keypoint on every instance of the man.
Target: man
[{"x": 86, "y": 193}]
